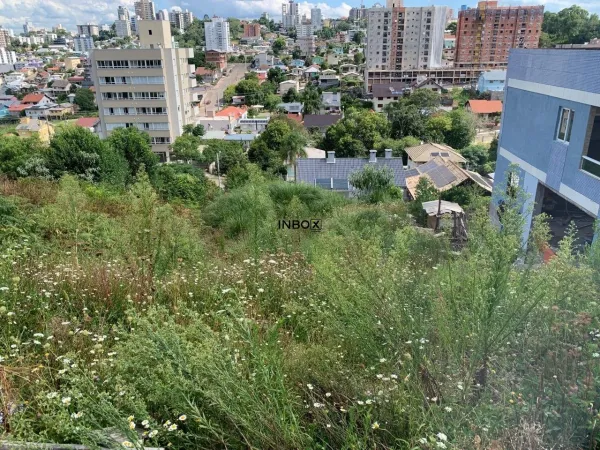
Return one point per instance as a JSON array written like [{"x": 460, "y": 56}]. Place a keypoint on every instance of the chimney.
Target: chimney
[
  {"x": 372, "y": 156},
  {"x": 388, "y": 153},
  {"x": 330, "y": 157}
]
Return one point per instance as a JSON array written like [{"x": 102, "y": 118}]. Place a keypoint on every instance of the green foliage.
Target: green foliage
[
  {"x": 572, "y": 25},
  {"x": 186, "y": 147},
  {"x": 290, "y": 96},
  {"x": 311, "y": 98},
  {"x": 84, "y": 98},
  {"x": 276, "y": 75},
  {"x": 231, "y": 154},
  {"x": 358, "y": 132},
  {"x": 196, "y": 130},
  {"x": 278, "y": 45},
  {"x": 241, "y": 175},
  {"x": 135, "y": 147},
  {"x": 463, "y": 129},
  {"x": 183, "y": 182},
  {"x": 451, "y": 28},
  {"x": 425, "y": 192},
  {"x": 22, "y": 157},
  {"x": 375, "y": 185}
]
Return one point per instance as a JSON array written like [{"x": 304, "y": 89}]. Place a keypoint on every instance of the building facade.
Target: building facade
[
  {"x": 123, "y": 27},
  {"x": 358, "y": 13},
  {"x": 485, "y": 34},
  {"x": 7, "y": 56},
  {"x": 5, "y": 37},
  {"x": 401, "y": 38},
  {"x": 145, "y": 9},
  {"x": 316, "y": 19},
  {"x": 251, "y": 30},
  {"x": 306, "y": 45},
  {"x": 217, "y": 35},
  {"x": 123, "y": 13},
  {"x": 148, "y": 87},
  {"x": 88, "y": 30},
  {"x": 83, "y": 44},
  {"x": 551, "y": 132},
  {"x": 289, "y": 15},
  {"x": 181, "y": 19}
]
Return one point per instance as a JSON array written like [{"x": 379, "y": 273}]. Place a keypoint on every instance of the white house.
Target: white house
[{"x": 285, "y": 86}]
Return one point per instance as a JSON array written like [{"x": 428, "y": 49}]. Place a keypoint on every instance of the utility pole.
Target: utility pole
[{"x": 219, "y": 169}]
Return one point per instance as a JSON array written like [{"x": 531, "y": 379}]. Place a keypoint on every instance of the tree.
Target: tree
[
  {"x": 358, "y": 37},
  {"x": 135, "y": 147},
  {"x": 276, "y": 75},
  {"x": 182, "y": 182},
  {"x": 425, "y": 192},
  {"x": 84, "y": 98},
  {"x": 462, "y": 131},
  {"x": 451, "y": 28},
  {"x": 437, "y": 126},
  {"x": 251, "y": 89},
  {"x": 357, "y": 132},
  {"x": 230, "y": 154},
  {"x": 425, "y": 99},
  {"x": 228, "y": 93},
  {"x": 359, "y": 58},
  {"x": 18, "y": 156},
  {"x": 311, "y": 98},
  {"x": 235, "y": 27},
  {"x": 296, "y": 53},
  {"x": 290, "y": 96},
  {"x": 271, "y": 102},
  {"x": 196, "y": 130},
  {"x": 476, "y": 156},
  {"x": 375, "y": 185},
  {"x": 278, "y": 45},
  {"x": 77, "y": 151},
  {"x": 406, "y": 120},
  {"x": 326, "y": 33},
  {"x": 186, "y": 147}
]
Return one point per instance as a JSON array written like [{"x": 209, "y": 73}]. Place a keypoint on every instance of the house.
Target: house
[
  {"x": 551, "y": 131},
  {"x": 329, "y": 80},
  {"x": 61, "y": 110},
  {"x": 424, "y": 153},
  {"x": 321, "y": 121},
  {"x": 291, "y": 108},
  {"x": 491, "y": 80},
  {"x": 444, "y": 175},
  {"x": 13, "y": 77},
  {"x": 428, "y": 83},
  {"x": 485, "y": 109},
  {"x": 91, "y": 123},
  {"x": 34, "y": 127},
  {"x": 333, "y": 173},
  {"x": 297, "y": 63},
  {"x": 72, "y": 62},
  {"x": 59, "y": 87},
  {"x": 254, "y": 124},
  {"x": 217, "y": 58},
  {"x": 348, "y": 68},
  {"x": 285, "y": 86},
  {"x": 384, "y": 94},
  {"x": 245, "y": 138},
  {"x": 331, "y": 103},
  {"x": 206, "y": 75},
  {"x": 233, "y": 111},
  {"x": 310, "y": 153},
  {"x": 17, "y": 109},
  {"x": 312, "y": 72},
  {"x": 6, "y": 101},
  {"x": 36, "y": 99},
  {"x": 78, "y": 80},
  {"x": 238, "y": 100},
  {"x": 318, "y": 60},
  {"x": 333, "y": 59},
  {"x": 39, "y": 111}
]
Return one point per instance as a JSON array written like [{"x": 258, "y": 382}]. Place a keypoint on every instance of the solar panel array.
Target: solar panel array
[
  {"x": 441, "y": 176},
  {"x": 435, "y": 153},
  {"x": 445, "y": 154}
]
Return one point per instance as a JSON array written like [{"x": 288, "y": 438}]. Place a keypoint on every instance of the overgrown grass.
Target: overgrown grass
[{"x": 126, "y": 321}]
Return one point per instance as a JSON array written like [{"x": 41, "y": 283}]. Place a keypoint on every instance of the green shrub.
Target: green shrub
[{"x": 183, "y": 182}]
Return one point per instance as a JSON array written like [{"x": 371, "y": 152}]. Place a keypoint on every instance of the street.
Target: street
[{"x": 215, "y": 93}]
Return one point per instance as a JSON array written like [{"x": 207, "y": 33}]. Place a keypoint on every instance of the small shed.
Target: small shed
[{"x": 436, "y": 209}]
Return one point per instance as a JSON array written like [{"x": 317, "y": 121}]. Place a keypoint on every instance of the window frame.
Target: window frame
[{"x": 569, "y": 125}]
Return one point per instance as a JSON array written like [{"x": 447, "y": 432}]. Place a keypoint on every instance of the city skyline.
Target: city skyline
[{"x": 49, "y": 13}]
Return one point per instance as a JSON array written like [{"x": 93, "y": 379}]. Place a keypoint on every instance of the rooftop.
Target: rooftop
[
  {"x": 485, "y": 106},
  {"x": 321, "y": 120},
  {"x": 87, "y": 122},
  {"x": 426, "y": 152}
]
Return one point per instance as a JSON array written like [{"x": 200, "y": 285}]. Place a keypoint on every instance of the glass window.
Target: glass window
[{"x": 565, "y": 124}]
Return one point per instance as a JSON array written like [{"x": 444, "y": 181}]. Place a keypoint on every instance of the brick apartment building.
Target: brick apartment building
[
  {"x": 485, "y": 34},
  {"x": 251, "y": 30}
]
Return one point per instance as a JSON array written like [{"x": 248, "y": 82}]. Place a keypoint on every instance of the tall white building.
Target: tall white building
[
  {"x": 149, "y": 88},
  {"x": 5, "y": 37},
  {"x": 217, "y": 35},
  {"x": 180, "y": 19},
  {"x": 304, "y": 30},
  {"x": 289, "y": 15},
  {"x": 134, "y": 24},
  {"x": 401, "y": 38},
  {"x": 145, "y": 9},
  {"x": 28, "y": 27},
  {"x": 123, "y": 13},
  {"x": 123, "y": 28},
  {"x": 306, "y": 45},
  {"x": 163, "y": 14},
  {"x": 7, "y": 57},
  {"x": 83, "y": 44},
  {"x": 316, "y": 19}
]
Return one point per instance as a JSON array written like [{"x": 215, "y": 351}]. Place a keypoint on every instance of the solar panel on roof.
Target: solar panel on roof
[
  {"x": 441, "y": 176},
  {"x": 435, "y": 154},
  {"x": 446, "y": 154}
]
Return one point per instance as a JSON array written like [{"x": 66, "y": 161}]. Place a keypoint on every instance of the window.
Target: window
[
  {"x": 565, "y": 123},
  {"x": 150, "y": 32},
  {"x": 590, "y": 162}
]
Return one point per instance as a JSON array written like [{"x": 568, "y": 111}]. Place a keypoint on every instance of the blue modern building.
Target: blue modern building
[{"x": 551, "y": 130}]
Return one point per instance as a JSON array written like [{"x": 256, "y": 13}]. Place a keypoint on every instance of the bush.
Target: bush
[{"x": 183, "y": 182}]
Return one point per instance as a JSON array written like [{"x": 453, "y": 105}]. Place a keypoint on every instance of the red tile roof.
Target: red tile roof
[
  {"x": 296, "y": 117},
  {"x": 485, "y": 106},
  {"x": 75, "y": 79},
  {"x": 87, "y": 122},
  {"x": 231, "y": 111},
  {"x": 33, "y": 98},
  {"x": 18, "y": 108}
]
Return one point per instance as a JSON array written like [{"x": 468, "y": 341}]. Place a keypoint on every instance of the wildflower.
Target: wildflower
[
  {"x": 360, "y": 402},
  {"x": 66, "y": 401},
  {"x": 145, "y": 424},
  {"x": 76, "y": 415},
  {"x": 261, "y": 290},
  {"x": 130, "y": 418},
  {"x": 225, "y": 291},
  {"x": 52, "y": 395},
  {"x": 460, "y": 386},
  {"x": 380, "y": 376},
  {"x": 39, "y": 335},
  {"x": 440, "y": 445},
  {"x": 132, "y": 425},
  {"x": 422, "y": 441},
  {"x": 448, "y": 409},
  {"x": 309, "y": 386},
  {"x": 382, "y": 360},
  {"x": 127, "y": 444},
  {"x": 182, "y": 418},
  {"x": 152, "y": 433},
  {"x": 172, "y": 427},
  {"x": 442, "y": 436},
  {"x": 327, "y": 394},
  {"x": 318, "y": 405},
  {"x": 375, "y": 425},
  {"x": 595, "y": 355}
]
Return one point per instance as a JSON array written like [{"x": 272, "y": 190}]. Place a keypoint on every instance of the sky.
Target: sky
[{"x": 69, "y": 13}]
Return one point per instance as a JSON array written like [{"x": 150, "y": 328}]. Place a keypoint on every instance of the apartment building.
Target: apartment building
[
  {"x": 551, "y": 131},
  {"x": 148, "y": 87},
  {"x": 88, "y": 30},
  {"x": 123, "y": 13},
  {"x": 123, "y": 27},
  {"x": 145, "y": 9},
  {"x": 5, "y": 37},
  {"x": 304, "y": 30},
  {"x": 316, "y": 19},
  {"x": 181, "y": 19},
  {"x": 290, "y": 17},
  {"x": 307, "y": 45},
  {"x": 251, "y": 30},
  {"x": 400, "y": 38},
  {"x": 7, "y": 56},
  {"x": 83, "y": 44},
  {"x": 485, "y": 34},
  {"x": 217, "y": 35}
]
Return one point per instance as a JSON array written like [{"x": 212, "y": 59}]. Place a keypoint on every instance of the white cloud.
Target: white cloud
[{"x": 254, "y": 8}]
